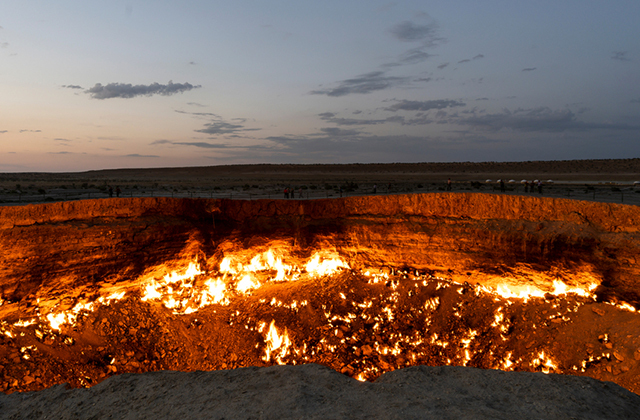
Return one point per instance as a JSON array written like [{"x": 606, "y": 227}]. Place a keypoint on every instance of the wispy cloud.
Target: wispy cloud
[
  {"x": 529, "y": 69},
  {"x": 635, "y": 101},
  {"x": 137, "y": 155},
  {"x": 127, "y": 90},
  {"x": 216, "y": 128},
  {"x": 30, "y": 131},
  {"x": 363, "y": 84},
  {"x": 408, "y": 31},
  {"x": 443, "y": 65},
  {"x": 405, "y": 105},
  {"x": 332, "y": 118},
  {"x": 72, "y": 86},
  {"x": 4, "y": 44},
  {"x": 620, "y": 56},
  {"x": 4, "y": 131}
]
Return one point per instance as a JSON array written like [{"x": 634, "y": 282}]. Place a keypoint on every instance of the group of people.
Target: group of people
[
  {"x": 291, "y": 193},
  {"x": 118, "y": 191},
  {"x": 529, "y": 186}
]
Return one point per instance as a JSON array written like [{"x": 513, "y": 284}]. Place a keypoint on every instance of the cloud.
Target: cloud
[
  {"x": 477, "y": 57},
  {"x": 405, "y": 105},
  {"x": 4, "y": 131},
  {"x": 443, "y": 65},
  {"x": 408, "y": 31},
  {"x": 541, "y": 119},
  {"x": 72, "y": 86},
  {"x": 30, "y": 131},
  {"x": 196, "y": 104},
  {"x": 200, "y": 114},
  {"x": 529, "y": 69},
  {"x": 203, "y": 145},
  {"x": 466, "y": 60},
  {"x": 635, "y": 101},
  {"x": 414, "y": 56},
  {"x": 4, "y": 44},
  {"x": 363, "y": 84},
  {"x": 127, "y": 90},
  {"x": 338, "y": 132},
  {"x": 137, "y": 155},
  {"x": 331, "y": 117},
  {"x": 216, "y": 128},
  {"x": 620, "y": 56}
]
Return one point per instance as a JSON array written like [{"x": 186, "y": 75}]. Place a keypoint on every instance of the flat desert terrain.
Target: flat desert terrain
[{"x": 609, "y": 180}]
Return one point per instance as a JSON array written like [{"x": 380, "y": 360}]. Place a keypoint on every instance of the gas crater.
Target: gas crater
[{"x": 364, "y": 285}]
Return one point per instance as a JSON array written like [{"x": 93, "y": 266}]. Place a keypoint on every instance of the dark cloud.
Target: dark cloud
[
  {"x": 332, "y": 118},
  {"x": 161, "y": 142},
  {"x": 60, "y": 139},
  {"x": 542, "y": 119},
  {"x": 620, "y": 56},
  {"x": 477, "y": 57},
  {"x": 338, "y": 132},
  {"x": 423, "y": 79},
  {"x": 4, "y": 131},
  {"x": 127, "y": 90},
  {"x": 443, "y": 65},
  {"x": 466, "y": 60},
  {"x": 196, "y": 104},
  {"x": 72, "y": 86},
  {"x": 482, "y": 99},
  {"x": 635, "y": 101},
  {"x": 30, "y": 131},
  {"x": 410, "y": 32},
  {"x": 529, "y": 69},
  {"x": 203, "y": 145},
  {"x": 365, "y": 83},
  {"x": 405, "y": 105}
]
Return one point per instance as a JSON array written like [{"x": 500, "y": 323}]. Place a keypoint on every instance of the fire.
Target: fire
[
  {"x": 350, "y": 323},
  {"x": 320, "y": 266},
  {"x": 278, "y": 345}
]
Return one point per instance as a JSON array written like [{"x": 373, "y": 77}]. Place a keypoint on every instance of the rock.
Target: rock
[
  {"x": 618, "y": 356},
  {"x": 597, "y": 310},
  {"x": 608, "y": 345},
  {"x": 316, "y": 392}
]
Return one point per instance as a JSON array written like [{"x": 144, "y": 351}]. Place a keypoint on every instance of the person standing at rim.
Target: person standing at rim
[{"x": 449, "y": 184}]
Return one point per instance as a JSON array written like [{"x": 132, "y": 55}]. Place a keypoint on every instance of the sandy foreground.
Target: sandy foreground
[{"x": 316, "y": 392}]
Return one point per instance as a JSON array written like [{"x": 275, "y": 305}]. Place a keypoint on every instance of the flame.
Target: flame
[
  {"x": 321, "y": 266},
  {"x": 277, "y": 345}
]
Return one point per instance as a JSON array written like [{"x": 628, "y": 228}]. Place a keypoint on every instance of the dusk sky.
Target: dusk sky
[{"x": 118, "y": 84}]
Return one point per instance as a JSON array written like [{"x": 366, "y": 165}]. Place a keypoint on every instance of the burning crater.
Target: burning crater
[{"x": 366, "y": 285}]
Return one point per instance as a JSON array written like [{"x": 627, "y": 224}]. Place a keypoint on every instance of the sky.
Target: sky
[{"x": 102, "y": 84}]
